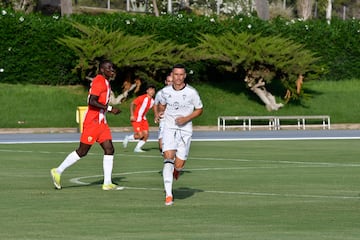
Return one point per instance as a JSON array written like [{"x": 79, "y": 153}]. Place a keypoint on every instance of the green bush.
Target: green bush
[{"x": 29, "y": 52}]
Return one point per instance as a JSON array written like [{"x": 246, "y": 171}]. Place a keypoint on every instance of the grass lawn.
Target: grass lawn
[
  {"x": 29, "y": 106},
  {"x": 229, "y": 190}
]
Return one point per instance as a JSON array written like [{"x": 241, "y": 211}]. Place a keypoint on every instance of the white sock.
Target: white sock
[
  {"x": 72, "y": 158},
  {"x": 140, "y": 144},
  {"x": 168, "y": 176},
  {"x": 130, "y": 137},
  {"x": 108, "y": 166}
]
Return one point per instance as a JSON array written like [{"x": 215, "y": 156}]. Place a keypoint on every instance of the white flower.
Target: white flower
[
  {"x": 1, "y": 70},
  {"x": 191, "y": 72},
  {"x": 9, "y": 49},
  {"x": 306, "y": 27},
  {"x": 127, "y": 22},
  {"x": 240, "y": 19},
  {"x": 55, "y": 17},
  {"x": 180, "y": 15},
  {"x": 21, "y": 19},
  {"x": 249, "y": 26},
  {"x": 212, "y": 20},
  {"x": 189, "y": 20},
  {"x": 3, "y": 12}
]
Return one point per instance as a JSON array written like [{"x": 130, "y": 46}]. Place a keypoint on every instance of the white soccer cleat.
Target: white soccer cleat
[{"x": 138, "y": 150}]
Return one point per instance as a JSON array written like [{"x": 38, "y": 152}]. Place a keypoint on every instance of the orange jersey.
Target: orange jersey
[
  {"x": 100, "y": 86},
  {"x": 143, "y": 103}
]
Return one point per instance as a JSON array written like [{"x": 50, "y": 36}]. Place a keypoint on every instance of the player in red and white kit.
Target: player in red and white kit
[
  {"x": 95, "y": 128},
  {"x": 138, "y": 110}
]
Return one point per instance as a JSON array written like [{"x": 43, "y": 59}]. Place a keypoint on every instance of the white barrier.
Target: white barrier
[{"x": 270, "y": 122}]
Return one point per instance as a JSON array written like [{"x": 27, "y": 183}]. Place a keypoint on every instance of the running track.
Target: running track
[{"x": 197, "y": 136}]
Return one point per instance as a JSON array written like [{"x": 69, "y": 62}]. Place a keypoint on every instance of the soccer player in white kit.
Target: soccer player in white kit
[{"x": 180, "y": 104}]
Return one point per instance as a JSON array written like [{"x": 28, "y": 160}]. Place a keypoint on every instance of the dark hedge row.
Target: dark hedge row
[{"x": 30, "y": 54}]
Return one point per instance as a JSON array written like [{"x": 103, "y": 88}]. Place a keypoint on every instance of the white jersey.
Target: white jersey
[
  {"x": 179, "y": 103},
  {"x": 157, "y": 97}
]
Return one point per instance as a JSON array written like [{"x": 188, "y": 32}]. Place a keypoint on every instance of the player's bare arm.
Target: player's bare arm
[
  {"x": 94, "y": 101},
  {"x": 132, "y": 109}
]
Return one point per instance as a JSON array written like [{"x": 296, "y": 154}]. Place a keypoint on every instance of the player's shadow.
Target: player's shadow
[
  {"x": 116, "y": 180},
  {"x": 185, "y": 192}
]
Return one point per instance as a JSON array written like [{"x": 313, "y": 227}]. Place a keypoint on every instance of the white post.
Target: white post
[{"x": 169, "y": 6}]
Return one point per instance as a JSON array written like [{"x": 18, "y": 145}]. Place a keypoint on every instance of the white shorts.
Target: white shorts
[{"x": 176, "y": 139}]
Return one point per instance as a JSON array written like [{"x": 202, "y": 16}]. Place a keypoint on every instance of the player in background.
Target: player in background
[
  {"x": 157, "y": 117},
  {"x": 95, "y": 128},
  {"x": 138, "y": 110},
  {"x": 180, "y": 104}
]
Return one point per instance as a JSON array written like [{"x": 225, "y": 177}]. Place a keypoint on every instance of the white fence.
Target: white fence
[{"x": 273, "y": 122}]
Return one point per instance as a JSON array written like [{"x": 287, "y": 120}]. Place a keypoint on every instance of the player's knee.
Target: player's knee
[
  {"x": 81, "y": 153},
  {"x": 109, "y": 151},
  {"x": 179, "y": 164}
]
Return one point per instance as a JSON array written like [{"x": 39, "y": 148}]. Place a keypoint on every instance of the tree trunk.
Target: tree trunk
[
  {"x": 304, "y": 8},
  {"x": 257, "y": 85},
  {"x": 156, "y": 10},
  {"x": 262, "y": 9},
  {"x": 328, "y": 11},
  {"x": 66, "y": 7}
]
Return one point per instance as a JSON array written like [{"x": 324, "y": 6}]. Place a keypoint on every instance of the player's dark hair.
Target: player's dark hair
[
  {"x": 179, "y": 65},
  {"x": 150, "y": 86},
  {"x": 103, "y": 63}
]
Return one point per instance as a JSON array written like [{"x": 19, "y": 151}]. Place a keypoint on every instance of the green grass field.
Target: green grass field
[
  {"x": 33, "y": 106},
  {"x": 230, "y": 190}
]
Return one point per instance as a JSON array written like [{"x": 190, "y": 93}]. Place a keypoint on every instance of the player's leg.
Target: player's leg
[
  {"x": 73, "y": 157},
  {"x": 184, "y": 141},
  {"x": 105, "y": 141},
  {"x": 168, "y": 176},
  {"x": 169, "y": 150},
  {"x": 143, "y": 135}
]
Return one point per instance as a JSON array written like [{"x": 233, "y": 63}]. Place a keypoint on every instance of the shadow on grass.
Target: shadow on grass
[
  {"x": 99, "y": 182},
  {"x": 185, "y": 192}
]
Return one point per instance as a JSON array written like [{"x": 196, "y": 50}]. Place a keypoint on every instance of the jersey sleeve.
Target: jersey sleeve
[{"x": 197, "y": 100}]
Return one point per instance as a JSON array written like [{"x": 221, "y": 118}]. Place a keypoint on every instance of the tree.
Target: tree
[
  {"x": 136, "y": 55},
  {"x": 262, "y": 60},
  {"x": 304, "y": 8}
]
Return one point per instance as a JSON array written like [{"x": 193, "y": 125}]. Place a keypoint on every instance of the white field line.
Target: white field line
[
  {"x": 80, "y": 181},
  {"x": 306, "y": 164},
  {"x": 194, "y": 140}
]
